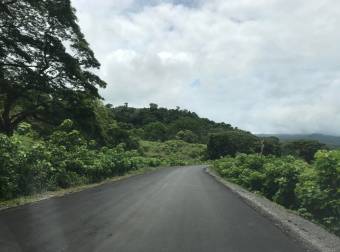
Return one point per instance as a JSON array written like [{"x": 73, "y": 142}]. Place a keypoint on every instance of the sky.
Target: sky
[{"x": 266, "y": 66}]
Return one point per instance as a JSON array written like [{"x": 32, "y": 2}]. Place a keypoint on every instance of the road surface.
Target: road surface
[{"x": 174, "y": 209}]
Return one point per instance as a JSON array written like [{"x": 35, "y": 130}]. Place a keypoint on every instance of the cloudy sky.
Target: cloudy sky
[{"x": 268, "y": 66}]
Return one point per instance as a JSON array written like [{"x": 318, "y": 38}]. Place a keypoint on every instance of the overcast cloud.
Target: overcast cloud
[{"x": 268, "y": 66}]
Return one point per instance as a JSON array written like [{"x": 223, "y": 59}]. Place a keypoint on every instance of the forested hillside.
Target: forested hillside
[{"x": 159, "y": 124}]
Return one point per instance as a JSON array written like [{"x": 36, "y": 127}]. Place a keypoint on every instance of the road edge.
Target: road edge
[
  {"x": 36, "y": 198},
  {"x": 312, "y": 236}
]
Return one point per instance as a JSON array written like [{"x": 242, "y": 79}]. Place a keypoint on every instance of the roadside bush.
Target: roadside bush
[
  {"x": 281, "y": 177},
  {"x": 311, "y": 189},
  {"x": 318, "y": 191},
  {"x": 31, "y": 165},
  {"x": 9, "y": 159}
]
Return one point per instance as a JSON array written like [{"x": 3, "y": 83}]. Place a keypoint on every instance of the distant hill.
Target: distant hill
[
  {"x": 159, "y": 124},
  {"x": 332, "y": 141}
]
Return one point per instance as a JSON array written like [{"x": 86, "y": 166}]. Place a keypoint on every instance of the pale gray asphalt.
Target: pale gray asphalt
[{"x": 174, "y": 209}]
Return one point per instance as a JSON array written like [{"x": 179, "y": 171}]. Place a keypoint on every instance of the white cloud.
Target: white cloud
[{"x": 261, "y": 65}]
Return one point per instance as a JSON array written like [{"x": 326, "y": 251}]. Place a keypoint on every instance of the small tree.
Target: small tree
[
  {"x": 187, "y": 136},
  {"x": 271, "y": 146},
  {"x": 153, "y": 106}
]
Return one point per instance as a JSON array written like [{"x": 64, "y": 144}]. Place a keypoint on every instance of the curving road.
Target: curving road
[{"x": 174, "y": 209}]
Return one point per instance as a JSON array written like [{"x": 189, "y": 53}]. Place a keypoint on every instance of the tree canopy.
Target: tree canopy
[
  {"x": 305, "y": 149},
  {"x": 44, "y": 59},
  {"x": 232, "y": 142}
]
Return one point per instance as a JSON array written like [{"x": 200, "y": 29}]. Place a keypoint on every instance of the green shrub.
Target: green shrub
[
  {"x": 31, "y": 165},
  {"x": 318, "y": 191},
  {"x": 311, "y": 189},
  {"x": 173, "y": 152},
  {"x": 10, "y": 159}
]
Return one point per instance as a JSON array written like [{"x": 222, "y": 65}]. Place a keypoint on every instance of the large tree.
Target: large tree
[
  {"x": 305, "y": 149},
  {"x": 44, "y": 58},
  {"x": 232, "y": 142}
]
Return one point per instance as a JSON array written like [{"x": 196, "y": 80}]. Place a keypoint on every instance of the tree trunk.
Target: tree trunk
[
  {"x": 6, "y": 124},
  {"x": 8, "y": 129}
]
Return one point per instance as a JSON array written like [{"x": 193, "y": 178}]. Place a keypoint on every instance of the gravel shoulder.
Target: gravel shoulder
[{"x": 314, "y": 237}]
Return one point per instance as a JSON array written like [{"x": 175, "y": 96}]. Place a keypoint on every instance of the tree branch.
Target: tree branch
[
  {"x": 21, "y": 117},
  {"x": 17, "y": 65},
  {"x": 40, "y": 119},
  {"x": 4, "y": 7},
  {"x": 9, "y": 2},
  {"x": 26, "y": 113}
]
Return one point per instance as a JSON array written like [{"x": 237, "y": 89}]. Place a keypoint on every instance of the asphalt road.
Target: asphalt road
[{"x": 174, "y": 209}]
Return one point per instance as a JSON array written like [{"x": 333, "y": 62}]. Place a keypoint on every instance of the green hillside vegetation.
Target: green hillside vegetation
[
  {"x": 31, "y": 164},
  {"x": 174, "y": 152},
  {"x": 160, "y": 124}
]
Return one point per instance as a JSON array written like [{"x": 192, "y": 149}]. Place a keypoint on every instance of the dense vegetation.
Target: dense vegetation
[
  {"x": 160, "y": 124},
  {"x": 30, "y": 164},
  {"x": 331, "y": 141},
  {"x": 232, "y": 142},
  {"x": 236, "y": 141},
  {"x": 311, "y": 189},
  {"x": 46, "y": 156},
  {"x": 45, "y": 62}
]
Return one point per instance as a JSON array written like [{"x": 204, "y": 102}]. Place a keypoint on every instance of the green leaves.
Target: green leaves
[
  {"x": 44, "y": 59},
  {"x": 313, "y": 190},
  {"x": 65, "y": 158},
  {"x": 232, "y": 142},
  {"x": 305, "y": 149}
]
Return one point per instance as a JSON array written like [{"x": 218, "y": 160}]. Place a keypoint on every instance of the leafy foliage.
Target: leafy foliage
[
  {"x": 311, "y": 189},
  {"x": 271, "y": 146},
  {"x": 161, "y": 124},
  {"x": 44, "y": 61},
  {"x": 305, "y": 149},
  {"x": 29, "y": 164},
  {"x": 155, "y": 131},
  {"x": 187, "y": 136},
  {"x": 174, "y": 152},
  {"x": 232, "y": 142}
]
